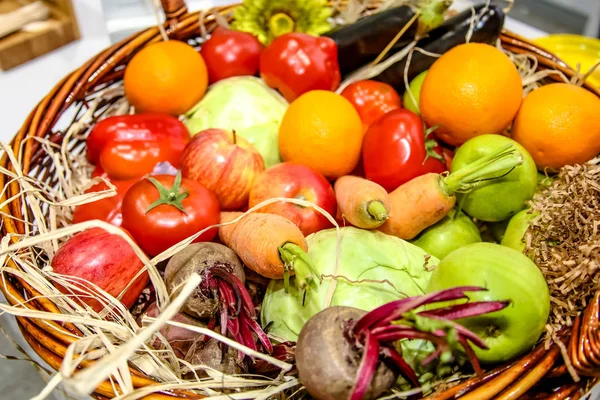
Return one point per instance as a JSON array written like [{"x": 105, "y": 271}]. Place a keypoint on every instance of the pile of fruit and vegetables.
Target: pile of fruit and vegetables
[{"x": 308, "y": 203}]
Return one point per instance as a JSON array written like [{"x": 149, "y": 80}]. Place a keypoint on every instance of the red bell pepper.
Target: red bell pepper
[
  {"x": 129, "y": 128},
  {"x": 296, "y": 63}
]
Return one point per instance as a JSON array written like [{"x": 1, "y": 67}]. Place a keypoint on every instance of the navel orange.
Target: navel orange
[
  {"x": 559, "y": 124},
  {"x": 323, "y": 130},
  {"x": 472, "y": 89},
  {"x": 168, "y": 77}
]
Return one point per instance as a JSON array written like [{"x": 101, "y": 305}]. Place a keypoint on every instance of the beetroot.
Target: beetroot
[
  {"x": 195, "y": 348},
  {"x": 346, "y": 353},
  {"x": 197, "y": 258},
  {"x": 221, "y": 297},
  {"x": 322, "y": 337}
]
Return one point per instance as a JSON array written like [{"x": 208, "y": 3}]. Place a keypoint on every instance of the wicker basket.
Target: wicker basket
[{"x": 50, "y": 339}]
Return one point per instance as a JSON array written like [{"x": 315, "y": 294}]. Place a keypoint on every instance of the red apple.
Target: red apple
[
  {"x": 225, "y": 163},
  {"x": 295, "y": 181},
  {"x": 104, "y": 259}
]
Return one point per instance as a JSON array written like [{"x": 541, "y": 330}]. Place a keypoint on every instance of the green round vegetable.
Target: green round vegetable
[
  {"x": 246, "y": 105},
  {"x": 496, "y": 199},
  {"x": 414, "y": 88},
  {"x": 448, "y": 235},
  {"x": 370, "y": 257},
  {"x": 515, "y": 231},
  {"x": 508, "y": 275}
]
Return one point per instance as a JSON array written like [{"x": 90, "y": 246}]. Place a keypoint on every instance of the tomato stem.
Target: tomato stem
[
  {"x": 430, "y": 145},
  {"x": 172, "y": 196}
]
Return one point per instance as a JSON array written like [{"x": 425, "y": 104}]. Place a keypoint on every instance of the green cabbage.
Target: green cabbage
[
  {"x": 365, "y": 255},
  {"x": 248, "y": 106}
]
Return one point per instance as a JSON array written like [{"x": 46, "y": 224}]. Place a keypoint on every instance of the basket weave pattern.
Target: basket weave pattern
[{"x": 50, "y": 339}]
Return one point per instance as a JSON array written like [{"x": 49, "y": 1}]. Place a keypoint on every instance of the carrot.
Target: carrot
[
  {"x": 363, "y": 203},
  {"x": 426, "y": 199},
  {"x": 269, "y": 244}
]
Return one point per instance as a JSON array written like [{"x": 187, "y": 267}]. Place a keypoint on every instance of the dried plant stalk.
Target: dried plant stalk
[{"x": 564, "y": 240}]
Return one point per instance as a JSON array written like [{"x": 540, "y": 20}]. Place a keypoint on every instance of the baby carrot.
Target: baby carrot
[
  {"x": 364, "y": 203},
  {"x": 426, "y": 199},
  {"x": 269, "y": 244}
]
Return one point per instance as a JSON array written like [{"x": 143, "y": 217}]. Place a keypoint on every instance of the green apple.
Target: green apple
[
  {"x": 496, "y": 199},
  {"x": 414, "y": 88},
  {"x": 448, "y": 235},
  {"x": 515, "y": 231},
  {"x": 507, "y": 274}
]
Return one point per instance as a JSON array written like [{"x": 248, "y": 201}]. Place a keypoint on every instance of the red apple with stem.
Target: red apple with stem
[
  {"x": 225, "y": 163},
  {"x": 295, "y": 181},
  {"x": 103, "y": 259}
]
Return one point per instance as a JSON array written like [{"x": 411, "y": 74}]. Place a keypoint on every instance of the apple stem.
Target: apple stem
[
  {"x": 234, "y": 136},
  {"x": 172, "y": 196},
  {"x": 377, "y": 211},
  {"x": 294, "y": 258}
]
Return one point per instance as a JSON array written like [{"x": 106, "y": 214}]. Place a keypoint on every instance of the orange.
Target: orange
[
  {"x": 323, "y": 130},
  {"x": 472, "y": 89},
  {"x": 168, "y": 77},
  {"x": 559, "y": 124}
]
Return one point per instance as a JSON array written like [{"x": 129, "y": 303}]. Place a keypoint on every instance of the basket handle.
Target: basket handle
[{"x": 173, "y": 9}]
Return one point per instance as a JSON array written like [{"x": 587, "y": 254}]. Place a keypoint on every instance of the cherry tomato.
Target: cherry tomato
[
  {"x": 372, "y": 99},
  {"x": 230, "y": 53},
  {"x": 125, "y": 128},
  {"x": 395, "y": 150},
  {"x": 135, "y": 158},
  {"x": 162, "y": 210},
  {"x": 107, "y": 209}
]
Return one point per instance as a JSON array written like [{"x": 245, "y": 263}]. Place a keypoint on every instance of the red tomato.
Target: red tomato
[
  {"x": 125, "y": 128},
  {"x": 395, "y": 150},
  {"x": 134, "y": 159},
  {"x": 163, "y": 210},
  {"x": 372, "y": 99},
  {"x": 107, "y": 209},
  {"x": 448, "y": 157},
  {"x": 230, "y": 53}
]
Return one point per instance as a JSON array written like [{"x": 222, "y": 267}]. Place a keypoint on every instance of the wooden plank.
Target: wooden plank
[{"x": 59, "y": 30}]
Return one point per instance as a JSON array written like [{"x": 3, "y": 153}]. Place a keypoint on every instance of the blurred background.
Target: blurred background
[{"x": 83, "y": 28}]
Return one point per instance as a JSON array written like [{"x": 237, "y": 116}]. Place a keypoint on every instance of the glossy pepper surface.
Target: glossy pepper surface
[{"x": 296, "y": 63}]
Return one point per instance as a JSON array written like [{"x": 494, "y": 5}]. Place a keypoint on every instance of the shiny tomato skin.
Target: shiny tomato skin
[
  {"x": 394, "y": 150},
  {"x": 145, "y": 126},
  {"x": 372, "y": 99},
  {"x": 165, "y": 225},
  {"x": 229, "y": 53},
  {"x": 107, "y": 209},
  {"x": 134, "y": 159}
]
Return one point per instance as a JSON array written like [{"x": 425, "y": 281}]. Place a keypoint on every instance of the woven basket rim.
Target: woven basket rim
[{"x": 49, "y": 339}]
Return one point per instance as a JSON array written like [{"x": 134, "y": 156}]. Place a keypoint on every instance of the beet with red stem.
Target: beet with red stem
[
  {"x": 346, "y": 353},
  {"x": 221, "y": 296}
]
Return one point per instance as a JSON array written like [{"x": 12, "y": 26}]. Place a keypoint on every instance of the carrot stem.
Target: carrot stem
[
  {"x": 376, "y": 209},
  {"x": 294, "y": 259},
  {"x": 481, "y": 169}
]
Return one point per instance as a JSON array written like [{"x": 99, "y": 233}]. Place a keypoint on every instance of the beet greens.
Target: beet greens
[{"x": 365, "y": 363}]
